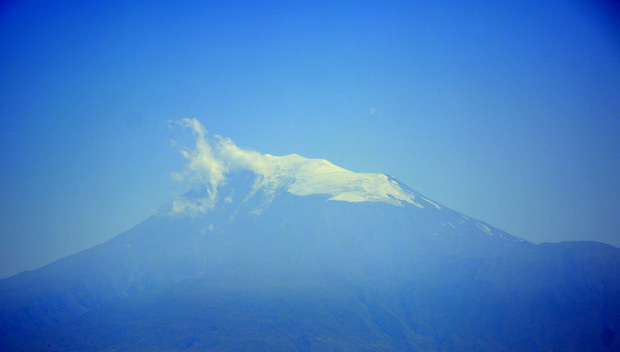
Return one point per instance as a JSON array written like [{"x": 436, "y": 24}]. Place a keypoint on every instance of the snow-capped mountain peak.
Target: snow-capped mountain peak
[
  {"x": 211, "y": 164},
  {"x": 302, "y": 176}
]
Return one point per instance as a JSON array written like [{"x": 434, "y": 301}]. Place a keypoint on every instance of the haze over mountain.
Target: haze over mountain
[
  {"x": 287, "y": 253},
  {"x": 507, "y": 112}
]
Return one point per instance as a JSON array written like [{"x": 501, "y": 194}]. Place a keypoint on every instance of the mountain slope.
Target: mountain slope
[{"x": 294, "y": 254}]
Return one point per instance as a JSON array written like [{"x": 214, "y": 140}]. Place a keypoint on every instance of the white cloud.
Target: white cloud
[{"x": 208, "y": 164}]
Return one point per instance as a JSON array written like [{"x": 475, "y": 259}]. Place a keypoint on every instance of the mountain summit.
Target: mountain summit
[
  {"x": 211, "y": 165},
  {"x": 286, "y": 253},
  {"x": 302, "y": 177}
]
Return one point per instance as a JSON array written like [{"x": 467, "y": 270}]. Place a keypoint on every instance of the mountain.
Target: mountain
[{"x": 294, "y": 254}]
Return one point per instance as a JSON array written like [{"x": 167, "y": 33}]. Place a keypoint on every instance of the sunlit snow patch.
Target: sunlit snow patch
[{"x": 484, "y": 228}]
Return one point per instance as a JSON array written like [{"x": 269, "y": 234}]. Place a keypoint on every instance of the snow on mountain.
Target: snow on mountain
[
  {"x": 210, "y": 165},
  {"x": 302, "y": 177}
]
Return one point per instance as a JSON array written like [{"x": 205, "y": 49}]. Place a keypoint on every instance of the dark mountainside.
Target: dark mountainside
[{"x": 309, "y": 274}]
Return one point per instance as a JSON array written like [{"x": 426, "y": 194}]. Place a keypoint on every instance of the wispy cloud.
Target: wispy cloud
[{"x": 209, "y": 162}]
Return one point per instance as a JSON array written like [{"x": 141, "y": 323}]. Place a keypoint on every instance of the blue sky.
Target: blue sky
[{"x": 506, "y": 111}]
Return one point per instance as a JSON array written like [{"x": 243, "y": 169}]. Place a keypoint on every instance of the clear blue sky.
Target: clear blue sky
[{"x": 507, "y": 111}]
